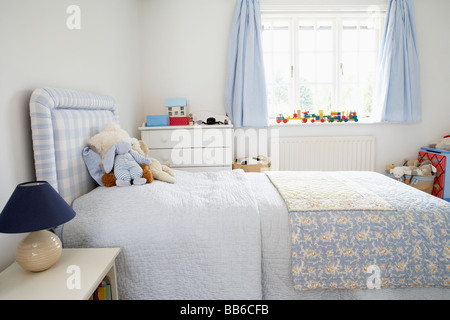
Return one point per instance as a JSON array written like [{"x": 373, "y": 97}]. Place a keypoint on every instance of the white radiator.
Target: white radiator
[{"x": 353, "y": 153}]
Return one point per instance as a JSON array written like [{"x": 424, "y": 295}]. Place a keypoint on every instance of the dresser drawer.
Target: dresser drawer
[
  {"x": 185, "y": 157},
  {"x": 186, "y": 138}
]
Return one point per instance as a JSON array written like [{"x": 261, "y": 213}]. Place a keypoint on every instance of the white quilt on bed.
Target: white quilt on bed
[{"x": 196, "y": 239}]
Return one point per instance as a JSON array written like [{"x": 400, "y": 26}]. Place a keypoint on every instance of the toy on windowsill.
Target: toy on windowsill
[
  {"x": 305, "y": 116},
  {"x": 280, "y": 118}
]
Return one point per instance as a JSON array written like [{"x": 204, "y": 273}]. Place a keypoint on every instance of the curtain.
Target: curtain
[
  {"x": 245, "y": 89},
  {"x": 399, "y": 97}
]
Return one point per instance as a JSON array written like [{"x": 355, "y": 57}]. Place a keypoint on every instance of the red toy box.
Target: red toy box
[
  {"x": 179, "y": 121},
  {"x": 439, "y": 160}
]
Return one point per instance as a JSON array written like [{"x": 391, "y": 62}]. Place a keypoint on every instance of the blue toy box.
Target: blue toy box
[{"x": 158, "y": 121}]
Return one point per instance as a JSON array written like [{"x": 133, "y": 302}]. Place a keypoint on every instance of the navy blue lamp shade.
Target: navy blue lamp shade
[{"x": 34, "y": 206}]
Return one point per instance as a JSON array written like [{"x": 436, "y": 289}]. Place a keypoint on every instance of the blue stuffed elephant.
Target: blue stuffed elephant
[{"x": 126, "y": 164}]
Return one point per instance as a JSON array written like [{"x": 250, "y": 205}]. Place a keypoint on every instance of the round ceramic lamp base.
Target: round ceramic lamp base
[{"x": 38, "y": 251}]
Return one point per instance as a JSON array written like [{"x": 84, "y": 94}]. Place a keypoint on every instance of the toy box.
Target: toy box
[
  {"x": 179, "y": 121},
  {"x": 422, "y": 183},
  {"x": 263, "y": 164},
  {"x": 157, "y": 121},
  {"x": 441, "y": 160}
]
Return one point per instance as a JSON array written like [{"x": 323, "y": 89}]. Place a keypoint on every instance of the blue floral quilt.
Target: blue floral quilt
[{"x": 359, "y": 230}]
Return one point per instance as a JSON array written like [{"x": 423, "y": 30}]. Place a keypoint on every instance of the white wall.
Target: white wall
[
  {"x": 184, "y": 53},
  {"x": 37, "y": 50},
  {"x": 185, "y": 45}
]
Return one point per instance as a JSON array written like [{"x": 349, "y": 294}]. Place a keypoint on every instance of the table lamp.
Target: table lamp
[{"x": 34, "y": 207}]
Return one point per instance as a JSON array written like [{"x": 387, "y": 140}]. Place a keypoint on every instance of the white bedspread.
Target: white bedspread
[{"x": 196, "y": 239}]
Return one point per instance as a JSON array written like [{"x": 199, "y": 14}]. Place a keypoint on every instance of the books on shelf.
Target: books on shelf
[{"x": 103, "y": 292}]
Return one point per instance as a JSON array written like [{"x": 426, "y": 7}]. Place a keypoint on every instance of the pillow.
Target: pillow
[{"x": 92, "y": 160}]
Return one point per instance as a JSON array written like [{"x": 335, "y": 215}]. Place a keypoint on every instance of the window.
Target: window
[{"x": 321, "y": 61}]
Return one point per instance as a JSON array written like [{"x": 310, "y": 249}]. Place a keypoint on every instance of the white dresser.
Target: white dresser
[{"x": 191, "y": 148}]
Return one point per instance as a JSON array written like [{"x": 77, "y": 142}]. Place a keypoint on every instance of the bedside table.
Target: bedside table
[
  {"x": 75, "y": 276},
  {"x": 191, "y": 148}
]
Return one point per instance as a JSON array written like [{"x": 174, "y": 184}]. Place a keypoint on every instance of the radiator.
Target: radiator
[{"x": 355, "y": 153}]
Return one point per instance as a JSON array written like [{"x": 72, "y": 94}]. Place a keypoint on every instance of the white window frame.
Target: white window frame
[{"x": 337, "y": 14}]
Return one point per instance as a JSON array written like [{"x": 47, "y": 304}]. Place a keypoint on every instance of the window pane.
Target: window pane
[
  {"x": 349, "y": 97},
  {"x": 306, "y": 36},
  {"x": 268, "y": 67},
  {"x": 367, "y": 67},
  {"x": 306, "y": 98},
  {"x": 324, "y": 36},
  {"x": 281, "y": 99},
  {"x": 325, "y": 67},
  {"x": 324, "y": 97},
  {"x": 350, "y": 36},
  {"x": 307, "y": 65},
  {"x": 267, "y": 37},
  {"x": 367, "y": 38},
  {"x": 281, "y": 67},
  {"x": 349, "y": 68},
  {"x": 281, "y": 37},
  {"x": 367, "y": 98}
]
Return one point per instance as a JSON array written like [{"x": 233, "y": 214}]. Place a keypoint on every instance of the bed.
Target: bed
[{"x": 236, "y": 235}]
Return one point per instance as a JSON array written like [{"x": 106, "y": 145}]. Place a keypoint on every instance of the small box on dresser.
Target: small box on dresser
[{"x": 191, "y": 148}]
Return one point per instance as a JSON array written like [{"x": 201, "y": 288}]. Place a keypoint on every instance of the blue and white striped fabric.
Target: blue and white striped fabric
[{"x": 61, "y": 122}]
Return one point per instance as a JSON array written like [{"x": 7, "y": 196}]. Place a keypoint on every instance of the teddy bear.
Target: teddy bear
[
  {"x": 125, "y": 162},
  {"x": 102, "y": 142},
  {"x": 159, "y": 171}
]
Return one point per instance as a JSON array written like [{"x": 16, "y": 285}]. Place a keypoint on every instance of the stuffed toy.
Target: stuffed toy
[
  {"x": 102, "y": 142},
  {"x": 441, "y": 143},
  {"x": 159, "y": 171},
  {"x": 390, "y": 166},
  {"x": 109, "y": 179},
  {"x": 125, "y": 162},
  {"x": 399, "y": 172},
  {"x": 411, "y": 163},
  {"x": 426, "y": 168}
]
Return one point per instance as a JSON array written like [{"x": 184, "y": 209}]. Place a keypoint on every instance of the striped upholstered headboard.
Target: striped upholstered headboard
[{"x": 61, "y": 123}]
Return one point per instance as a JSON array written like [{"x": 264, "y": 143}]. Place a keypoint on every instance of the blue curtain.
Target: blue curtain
[
  {"x": 245, "y": 90},
  {"x": 399, "y": 97}
]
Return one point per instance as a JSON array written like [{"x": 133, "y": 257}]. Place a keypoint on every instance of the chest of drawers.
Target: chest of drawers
[{"x": 191, "y": 148}]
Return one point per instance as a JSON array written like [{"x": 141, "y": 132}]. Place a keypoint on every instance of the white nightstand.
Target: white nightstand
[
  {"x": 75, "y": 276},
  {"x": 191, "y": 148}
]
